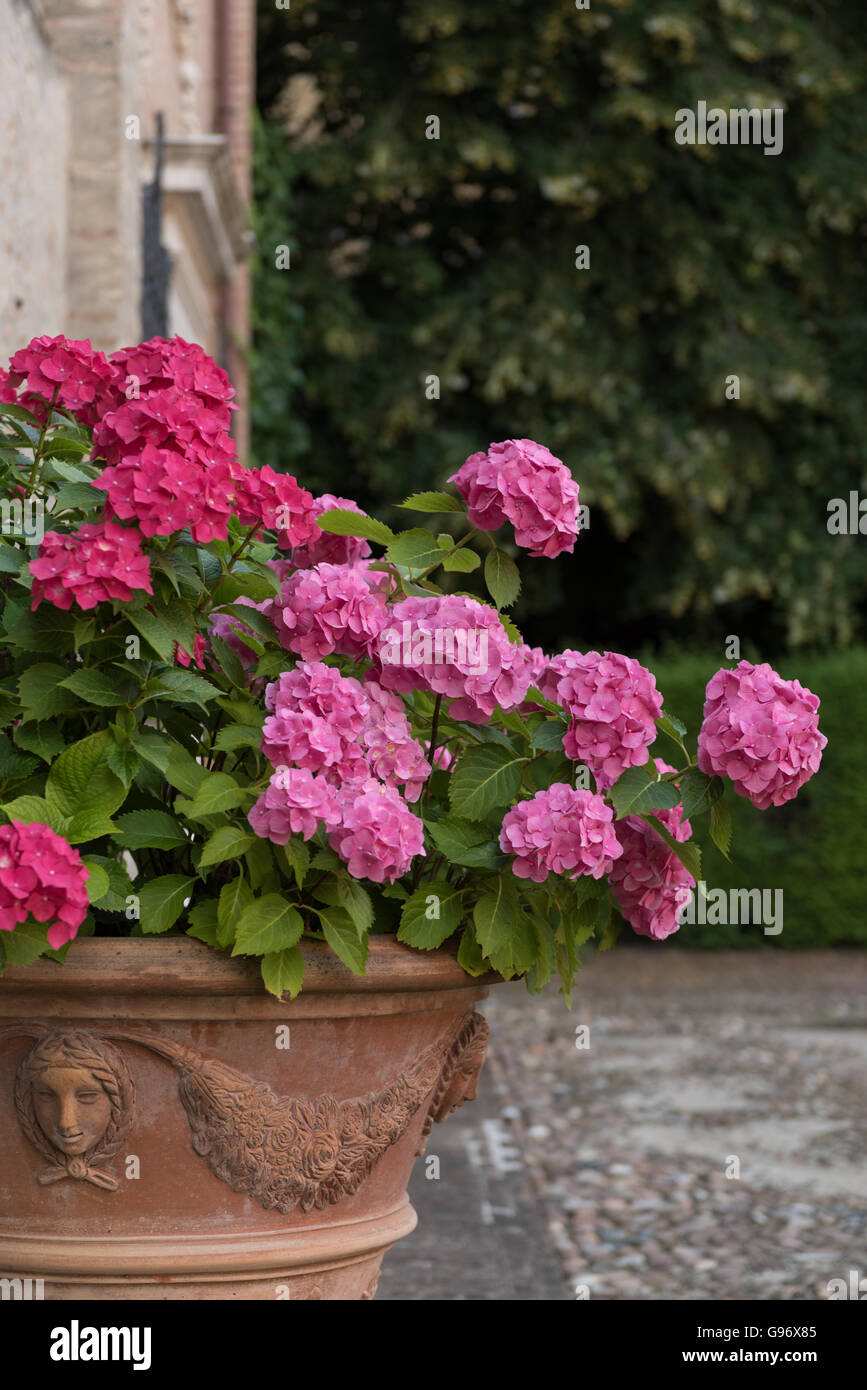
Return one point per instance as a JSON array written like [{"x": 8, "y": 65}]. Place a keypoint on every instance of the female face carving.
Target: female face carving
[{"x": 72, "y": 1108}]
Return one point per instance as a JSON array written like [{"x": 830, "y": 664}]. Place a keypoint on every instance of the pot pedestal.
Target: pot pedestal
[{"x": 168, "y": 1130}]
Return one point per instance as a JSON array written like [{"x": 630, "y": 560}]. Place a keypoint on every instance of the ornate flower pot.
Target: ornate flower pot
[{"x": 169, "y": 1130}]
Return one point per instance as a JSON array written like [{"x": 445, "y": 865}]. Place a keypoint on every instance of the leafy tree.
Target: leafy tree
[{"x": 455, "y": 257}]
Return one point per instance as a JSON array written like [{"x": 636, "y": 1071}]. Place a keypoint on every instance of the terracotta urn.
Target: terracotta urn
[{"x": 171, "y": 1131}]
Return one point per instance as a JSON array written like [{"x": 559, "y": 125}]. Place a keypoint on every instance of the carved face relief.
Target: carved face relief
[
  {"x": 72, "y": 1108},
  {"x": 74, "y": 1098}
]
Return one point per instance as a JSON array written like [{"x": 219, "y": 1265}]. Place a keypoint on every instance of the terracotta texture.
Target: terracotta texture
[{"x": 169, "y": 1130}]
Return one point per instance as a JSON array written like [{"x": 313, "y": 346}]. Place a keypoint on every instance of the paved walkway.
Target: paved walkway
[{"x": 710, "y": 1141}]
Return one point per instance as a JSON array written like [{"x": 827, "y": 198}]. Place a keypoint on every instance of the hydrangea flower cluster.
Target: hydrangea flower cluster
[
  {"x": 275, "y": 500},
  {"x": 330, "y": 608},
  {"x": 341, "y": 750},
  {"x": 81, "y": 376},
  {"x": 164, "y": 490},
  {"x": 612, "y": 702},
  {"x": 453, "y": 646},
  {"x": 41, "y": 876},
  {"x": 102, "y": 560},
  {"x": 561, "y": 830},
  {"x": 325, "y": 548},
  {"x": 161, "y": 363},
  {"x": 522, "y": 482},
  {"x": 649, "y": 883},
  {"x": 760, "y": 731}
]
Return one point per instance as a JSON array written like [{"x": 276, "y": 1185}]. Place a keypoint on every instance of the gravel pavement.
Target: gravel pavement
[{"x": 707, "y": 1138}]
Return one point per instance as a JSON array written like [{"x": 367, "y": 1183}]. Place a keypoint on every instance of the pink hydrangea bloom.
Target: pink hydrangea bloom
[
  {"x": 295, "y": 802},
  {"x": 277, "y": 502},
  {"x": 378, "y": 836},
  {"x": 561, "y": 830},
  {"x": 42, "y": 876},
  {"x": 330, "y": 608},
  {"x": 169, "y": 419},
  {"x": 316, "y": 718},
  {"x": 160, "y": 363},
  {"x": 81, "y": 376},
  {"x": 100, "y": 561},
  {"x": 612, "y": 702},
  {"x": 522, "y": 482},
  {"x": 554, "y": 668},
  {"x": 323, "y": 547},
  {"x": 392, "y": 753},
  {"x": 452, "y": 646},
  {"x": 649, "y": 883},
  {"x": 760, "y": 731},
  {"x": 165, "y": 490}
]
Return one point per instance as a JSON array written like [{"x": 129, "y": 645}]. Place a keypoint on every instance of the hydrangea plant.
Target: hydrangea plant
[{"x": 233, "y": 710}]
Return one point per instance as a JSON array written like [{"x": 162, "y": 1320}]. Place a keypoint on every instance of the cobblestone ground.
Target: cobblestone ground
[{"x": 710, "y": 1141}]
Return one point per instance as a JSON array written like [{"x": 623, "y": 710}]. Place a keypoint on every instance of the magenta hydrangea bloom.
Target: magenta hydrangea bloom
[
  {"x": 295, "y": 802},
  {"x": 378, "y": 836},
  {"x": 392, "y": 753},
  {"x": 41, "y": 876},
  {"x": 561, "y": 830},
  {"x": 760, "y": 731},
  {"x": 649, "y": 883},
  {"x": 612, "y": 702},
  {"x": 100, "y": 561},
  {"x": 522, "y": 482},
  {"x": 330, "y": 608},
  {"x": 81, "y": 376},
  {"x": 164, "y": 491},
  {"x": 277, "y": 502},
  {"x": 325, "y": 548},
  {"x": 160, "y": 363},
  {"x": 168, "y": 419},
  {"x": 452, "y": 646}
]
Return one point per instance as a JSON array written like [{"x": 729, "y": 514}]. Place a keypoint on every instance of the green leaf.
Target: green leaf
[
  {"x": 26, "y": 943},
  {"x": 431, "y": 915},
  {"x": 611, "y": 931},
  {"x": 155, "y": 632},
  {"x": 495, "y": 916},
  {"x": 228, "y": 842},
  {"x": 339, "y": 521},
  {"x": 549, "y": 736},
  {"x": 470, "y": 955},
  {"x": 30, "y": 809},
  {"x": 180, "y": 768},
  {"x": 721, "y": 826},
  {"x": 297, "y": 857},
  {"x": 41, "y": 693},
  {"x": 238, "y": 736},
  {"x": 502, "y": 578},
  {"x": 80, "y": 782},
  {"x": 698, "y": 792},
  {"x": 235, "y": 896},
  {"x": 461, "y": 562},
  {"x": 97, "y": 880},
  {"x": 465, "y": 842},
  {"x": 636, "y": 792},
  {"x": 517, "y": 954},
  {"x": 124, "y": 763},
  {"x": 268, "y": 924},
  {"x": 217, "y": 792},
  {"x": 416, "y": 550},
  {"x": 161, "y": 902},
  {"x": 94, "y": 687},
  {"x": 344, "y": 937},
  {"x": 672, "y": 726},
  {"x": 283, "y": 972},
  {"x": 356, "y": 901},
  {"x": 45, "y": 741},
  {"x": 227, "y": 660},
  {"x": 203, "y": 922},
  {"x": 484, "y": 777},
  {"x": 252, "y": 618},
  {"x": 432, "y": 502},
  {"x": 687, "y": 851},
  {"x": 149, "y": 830},
  {"x": 81, "y": 497},
  {"x": 183, "y": 686}
]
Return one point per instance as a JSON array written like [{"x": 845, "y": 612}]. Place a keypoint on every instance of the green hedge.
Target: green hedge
[{"x": 813, "y": 847}]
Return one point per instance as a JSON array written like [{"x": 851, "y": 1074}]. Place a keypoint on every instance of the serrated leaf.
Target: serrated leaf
[
  {"x": 636, "y": 792},
  {"x": 484, "y": 777},
  {"x": 203, "y": 922},
  {"x": 30, "y": 809},
  {"x": 182, "y": 687},
  {"x": 296, "y": 856},
  {"x": 502, "y": 578},
  {"x": 181, "y": 770},
  {"x": 40, "y": 690},
  {"x": 549, "y": 736},
  {"x": 466, "y": 843},
  {"x": 721, "y": 826},
  {"x": 94, "y": 687},
  {"x": 283, "y": 972},
  {"x": 687, "y": 851},
  {"x": 26, "y": 943},
  {"x": 216, "y": 793},
  {"x": 97, "y": 880},
  {"x": 80, "y": 781},
  {"x": 432, "y": 502},
  {"x": 157, "y": 750},
  {"x": 672, "y": 726},
  {"x": 267, "y": 925},
  {"x": 238, "y": 736},
  {"x": 495, "y": 916},
  {"x": 517, "y": 954},
  {"x": 470, "y": 956},
  {"x": 431, "y": 915},
  {"x": 161, "y": 902},
  {"x": 461, "y": 562},
  {"x": 339, "y": 521},
  {"x": 155, "y": 632},
  {"x": 235, "y": 896},
  {"x": 124, "y": 763},
  {"x": 415, "y": 550},
  {"x": 228, "y": 842},
  {"x": 698, "y": 792},
  {"x": 344, "y": 937},
  {"x": 149, "y": 830}
]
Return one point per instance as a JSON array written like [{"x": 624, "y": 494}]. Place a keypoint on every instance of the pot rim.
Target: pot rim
[{"x": 184, "y": 966}]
